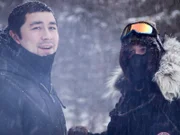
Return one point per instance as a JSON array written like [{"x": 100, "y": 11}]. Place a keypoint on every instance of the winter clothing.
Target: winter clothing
[
  {"x": 154, "y": 109},
  {"x": 28, "y": 103}
]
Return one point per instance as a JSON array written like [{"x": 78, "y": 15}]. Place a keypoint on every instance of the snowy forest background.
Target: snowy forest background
[{"x": 89, "y": 49}]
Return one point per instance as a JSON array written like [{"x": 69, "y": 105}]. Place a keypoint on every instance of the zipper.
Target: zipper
[{"x": 49, "y": 92}]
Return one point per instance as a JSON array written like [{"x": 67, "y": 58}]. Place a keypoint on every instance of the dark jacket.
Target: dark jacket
[
  {"x": 153, "y": 110},
  {"x": 28, "y": 103}
]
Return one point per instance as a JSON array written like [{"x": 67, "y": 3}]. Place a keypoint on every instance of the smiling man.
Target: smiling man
[
  {"x": 39, "y": 33},
  {"x": 28, "y": 103}
]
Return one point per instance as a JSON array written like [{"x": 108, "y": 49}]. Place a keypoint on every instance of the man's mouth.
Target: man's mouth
[{"x": 46, "y": 46}]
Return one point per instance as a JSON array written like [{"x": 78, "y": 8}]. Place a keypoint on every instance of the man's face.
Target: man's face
[
  {"x": 133, "y": 60},
  {"x": 39, "y": 33}
]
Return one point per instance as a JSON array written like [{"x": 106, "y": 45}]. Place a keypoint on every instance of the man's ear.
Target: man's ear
[{"x": 14, "y": 36}]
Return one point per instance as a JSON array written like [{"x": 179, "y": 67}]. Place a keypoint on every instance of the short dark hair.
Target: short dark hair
[{"x": 17, "y": 17}]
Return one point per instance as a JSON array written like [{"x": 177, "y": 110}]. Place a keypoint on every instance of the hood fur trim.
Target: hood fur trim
[{"x": 168, "y": 75}]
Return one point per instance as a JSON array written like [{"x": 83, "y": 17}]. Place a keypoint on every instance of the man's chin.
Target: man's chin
[{"x": 46, "y": 54}]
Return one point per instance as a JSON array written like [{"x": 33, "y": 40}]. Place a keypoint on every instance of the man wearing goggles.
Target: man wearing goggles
[
  {"x": 149, "y": 83},
  {"x": 141, "y": 52}
]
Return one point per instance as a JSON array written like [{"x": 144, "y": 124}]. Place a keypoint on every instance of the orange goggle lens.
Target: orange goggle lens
[{"x": 140, "y": 28}]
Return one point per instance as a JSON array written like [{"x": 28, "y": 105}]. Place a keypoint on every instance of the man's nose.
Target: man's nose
[{"x": 46, "y": 35}]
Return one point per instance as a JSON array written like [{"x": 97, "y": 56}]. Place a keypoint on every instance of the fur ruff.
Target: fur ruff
[{"x": 168, "y": 75}]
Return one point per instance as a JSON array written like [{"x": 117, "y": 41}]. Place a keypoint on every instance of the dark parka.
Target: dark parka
[
  {"x": 28, "y": 103},
  {"x": 154, "y": 110}
]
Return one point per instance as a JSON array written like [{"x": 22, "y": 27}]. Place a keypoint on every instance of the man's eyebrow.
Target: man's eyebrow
[
  {"x": 53, "y": 23},
  {"x": 36, "y": 22},
  {"x": 40, "y": 22}
]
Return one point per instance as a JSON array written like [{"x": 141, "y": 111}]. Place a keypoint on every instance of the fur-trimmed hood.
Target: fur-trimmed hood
[{"x": 168, "y": 75}]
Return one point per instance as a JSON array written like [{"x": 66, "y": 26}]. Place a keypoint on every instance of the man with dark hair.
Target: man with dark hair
[
  {"x": 29, "y": 104},
  {"x": 17, "y": 16}
]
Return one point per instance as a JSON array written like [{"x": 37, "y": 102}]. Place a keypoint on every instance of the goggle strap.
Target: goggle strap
[{"x": 160, "y": 47}]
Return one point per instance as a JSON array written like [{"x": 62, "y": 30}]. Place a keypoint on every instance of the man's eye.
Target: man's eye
[
  {"x": 52, "y": 28},
  {"x": 143, "y": 49},
  {"x": 36, "y": 28}
]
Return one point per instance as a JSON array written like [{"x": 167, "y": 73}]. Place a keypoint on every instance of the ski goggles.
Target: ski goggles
[{"x": 139, "y": 28}]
